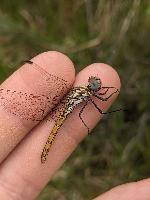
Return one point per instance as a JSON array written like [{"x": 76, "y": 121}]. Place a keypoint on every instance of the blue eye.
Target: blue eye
[{"x": 94, "y": 86}]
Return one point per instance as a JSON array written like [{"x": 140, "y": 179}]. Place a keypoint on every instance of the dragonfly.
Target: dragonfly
[
  {"x": 33, "y": 106},
  {"x": 76, "y": 96}
]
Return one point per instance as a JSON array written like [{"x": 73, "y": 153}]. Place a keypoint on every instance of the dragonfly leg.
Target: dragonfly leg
[
  {"x": 107, "y": 88},
  {"x": 103, "y": 93},
  {"x": 105, "y": 99},
  {"x": 80, "y": 113},
  {"x": 101, "y": 112}
]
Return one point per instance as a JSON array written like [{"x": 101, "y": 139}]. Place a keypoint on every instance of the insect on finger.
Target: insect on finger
[{"x": 76, "y": 96}]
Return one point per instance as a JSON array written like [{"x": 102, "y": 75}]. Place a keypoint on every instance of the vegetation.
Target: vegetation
[{"x": 109, "y": 31}]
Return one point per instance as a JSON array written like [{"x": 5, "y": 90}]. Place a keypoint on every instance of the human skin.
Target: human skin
[{"x": 22, "y": 176}]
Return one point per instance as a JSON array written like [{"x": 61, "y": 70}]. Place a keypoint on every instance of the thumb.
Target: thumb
[{"x": 137, "y": 191}]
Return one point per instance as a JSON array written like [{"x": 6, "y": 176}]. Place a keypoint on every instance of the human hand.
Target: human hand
[{"x": 22, "y": 176}]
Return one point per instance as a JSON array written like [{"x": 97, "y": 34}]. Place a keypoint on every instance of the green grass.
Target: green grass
[{"x": 114, "y": 32}]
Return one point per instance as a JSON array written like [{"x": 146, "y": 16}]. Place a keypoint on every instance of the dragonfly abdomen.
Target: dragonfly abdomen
[{"x": 51, "y": 138}]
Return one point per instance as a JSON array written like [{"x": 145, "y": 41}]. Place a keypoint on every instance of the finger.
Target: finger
[
  {"x": 23, "y": 167},
  {"x": 137, "y": 191},
  {"x": 27, "y": 96}
]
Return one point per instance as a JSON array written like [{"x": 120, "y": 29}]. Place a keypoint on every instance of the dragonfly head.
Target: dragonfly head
[{"x": 94, "y": 84}]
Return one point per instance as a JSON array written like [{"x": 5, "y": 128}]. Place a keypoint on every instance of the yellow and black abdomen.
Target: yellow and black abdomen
[{"x": 51, "y": 138}]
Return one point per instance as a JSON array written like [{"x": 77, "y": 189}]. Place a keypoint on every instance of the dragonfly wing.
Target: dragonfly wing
[
  {"x": 34, "y": 106},
  {"x": 26, "y": 106}
]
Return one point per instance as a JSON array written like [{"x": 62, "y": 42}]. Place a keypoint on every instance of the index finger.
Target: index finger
[{"x": 29, "y": 94}]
